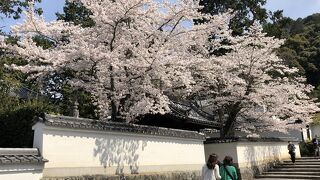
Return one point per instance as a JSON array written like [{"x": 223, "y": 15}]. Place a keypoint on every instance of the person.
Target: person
[
  {"x": 227, "y": 170},
  {"x": 315, "y": 143},
  {"x": 292, "y": 152},
  {"x": 210, "y": 171}
]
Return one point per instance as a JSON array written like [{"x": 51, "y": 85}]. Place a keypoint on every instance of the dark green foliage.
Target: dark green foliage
[
  {"x": 306, "y": 149},
  {"x": 16, "y": 120},
  {"x": 246, "y": 11},
  {"x": 9, "y": 79},
  {"x": 279, "y": 26},
  {"x": 316, "y": 117},
  {"x": 45, "y": 43},
  {"x": 13, "y": 8},
  {"x": 302, "y": 46},
  {"x": 64, "y": 96},
  {"x": 17, "y": 113},
  {"x": 70, "y": 95},
  {"x": 301, "y": 49},
  {"x": 75, "y": 12}
]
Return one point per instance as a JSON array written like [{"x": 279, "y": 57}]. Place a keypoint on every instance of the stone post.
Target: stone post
[{"x": 75, "y": 112}]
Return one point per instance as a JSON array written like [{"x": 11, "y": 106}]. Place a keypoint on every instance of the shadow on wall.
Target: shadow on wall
[
  {"x": 258, "y": 160},
  {"x": 119, "y": 152}
]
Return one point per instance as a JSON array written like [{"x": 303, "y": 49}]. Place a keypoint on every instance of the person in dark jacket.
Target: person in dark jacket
[
  {"x": 292, "y": 151},
  {"x": 315, "y": 143},
  {"x": 227, "y": 170}
]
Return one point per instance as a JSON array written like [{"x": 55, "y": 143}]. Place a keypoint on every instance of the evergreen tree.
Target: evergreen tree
[
  {"x": 245, "y": 12},
  {"x": 14, "y": 8},
  {"x": 301, "y": 48},
  {"x": 75, "y": 12}
]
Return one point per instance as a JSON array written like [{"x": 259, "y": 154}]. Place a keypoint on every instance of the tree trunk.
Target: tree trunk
[
  {"x": 113, "y": 103},
  {"x": 228, "y": 130}
]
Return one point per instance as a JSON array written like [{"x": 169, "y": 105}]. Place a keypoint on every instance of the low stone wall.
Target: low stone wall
[
  {"x": 155, "y": 176},
  {"x": 251, "y": 155}
]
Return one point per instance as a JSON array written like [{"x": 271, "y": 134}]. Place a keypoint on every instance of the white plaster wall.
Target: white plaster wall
[
  {"x": 21, "y": 176},
  {"x": 315, "y": 130},
  {"x": 305, "y": 134},
  {"x": 21, "y": 172},
  {"x": 251, "y": 157},
  {"x": 247, "y": 154},
  {"x": 260, "y": 153},
  {"x": 84, "y": 152},
  {"x": 222, "y": 150},
  {"x": 38, "y": 136}
]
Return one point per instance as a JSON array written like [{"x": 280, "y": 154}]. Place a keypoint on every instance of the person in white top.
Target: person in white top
[{"x": 210, "y": 171}]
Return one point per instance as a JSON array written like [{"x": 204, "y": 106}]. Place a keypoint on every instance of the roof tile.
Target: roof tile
[
  {"x": 20, "y": 155},
  {"x": 83, "y": 123}
]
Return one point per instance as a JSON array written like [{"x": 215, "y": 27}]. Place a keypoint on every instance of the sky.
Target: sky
[
  {"x": 50, "y": 7},
  {"x": 292, "y": 8},
  {"x": 295, "y": 8}
]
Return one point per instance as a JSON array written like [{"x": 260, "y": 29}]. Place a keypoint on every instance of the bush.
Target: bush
[
  {"x": 16, "y": 123},
  {"x": 306, "y": 148}
]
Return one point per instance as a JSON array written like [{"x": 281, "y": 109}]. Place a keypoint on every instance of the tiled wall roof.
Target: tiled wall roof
[
  {"x": 20, "y": 155},
  {"x": 250, "y": 139},
  {"x": 100, "y": 125}
]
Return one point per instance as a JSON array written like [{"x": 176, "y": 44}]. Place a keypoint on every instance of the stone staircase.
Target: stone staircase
[{"x": 304, "y": 168}]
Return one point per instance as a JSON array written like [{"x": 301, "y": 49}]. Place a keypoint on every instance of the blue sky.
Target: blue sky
[
  {"x": 292, "y": 8},
  {"x": 295, "y": 8},
  {"x": 50, "y": 7}
]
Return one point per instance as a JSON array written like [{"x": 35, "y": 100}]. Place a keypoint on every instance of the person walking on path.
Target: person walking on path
[
  {"x": 292, "y": 149},
  {"x": 227, "y": 170},
  {"x": 315, "y": 143},
  {"x": 210, "y": 171}
]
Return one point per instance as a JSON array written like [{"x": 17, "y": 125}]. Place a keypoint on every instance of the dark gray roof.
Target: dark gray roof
[
  {"x": 192, "y": 114},
  {"x": 21, "y": 155},
  {"x": 24, "y": 93},
  {"x": 207, "y": 123},
  {"x": 101, "y": 125},
  {"x": 250, "y": 139}
]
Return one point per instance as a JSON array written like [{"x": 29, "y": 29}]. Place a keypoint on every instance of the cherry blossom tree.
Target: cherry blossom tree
[
  {"x": 140, "y": 52},
  {"x": 136, "y": 54},
  {"x": 252, "y": 89}
]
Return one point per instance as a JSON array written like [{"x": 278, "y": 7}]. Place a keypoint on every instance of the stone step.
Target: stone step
[
  {"x": 287, "y": 176},
  {"x": 304, "y": 168},
  {"x": 304, "y": 158},
  {"x": 301, "y": 163},
  {"x": 292, "y": 173},
  {"x": 295, "y": 169},
  {"x": 314, "y": 159},
  {"x": 304, "y": 162},
  {"x": 297, "y": 166}
]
